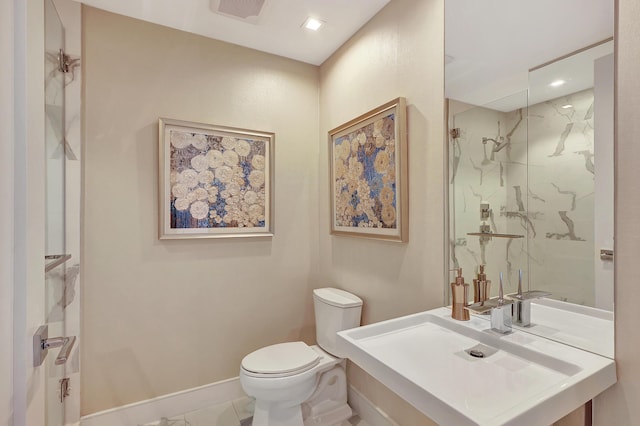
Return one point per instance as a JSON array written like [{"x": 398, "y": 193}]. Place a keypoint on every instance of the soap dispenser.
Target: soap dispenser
[
  {"x": 481, "y": 286},
  {"x": 460, "y": 294}
]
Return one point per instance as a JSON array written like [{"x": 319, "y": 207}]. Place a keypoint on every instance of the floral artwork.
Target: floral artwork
[
  {"x": 216, "y": 181},
  {"x": 364, "y": 172},
  {"x": 367, "y": 162}
]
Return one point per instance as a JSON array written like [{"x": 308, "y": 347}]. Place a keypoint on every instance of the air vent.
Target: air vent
[{"x": 243, "y": 10}]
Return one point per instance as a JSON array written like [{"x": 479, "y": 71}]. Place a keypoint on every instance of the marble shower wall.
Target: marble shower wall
[
  {"x": 561, "y": 199},
  {"x": 550, "y": 202}
]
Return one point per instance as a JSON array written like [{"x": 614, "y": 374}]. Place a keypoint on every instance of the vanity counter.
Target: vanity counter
[
  {"x": 584, "y": 327},
  {"x": 462, "y": 373}
]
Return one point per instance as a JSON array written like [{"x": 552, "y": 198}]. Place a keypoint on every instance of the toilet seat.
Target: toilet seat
[{"x": 281, "y": 360}]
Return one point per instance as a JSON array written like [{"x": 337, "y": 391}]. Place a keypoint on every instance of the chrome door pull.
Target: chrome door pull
[{"x": 42, "y": 343}]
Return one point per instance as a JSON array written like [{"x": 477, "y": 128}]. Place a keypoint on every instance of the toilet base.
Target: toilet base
[
  {"x": 267, "y": 414},
  {"x": 328, "y": 404},
  {"x": 293, "y": 417},
  {"x": 330, "y": 418}
]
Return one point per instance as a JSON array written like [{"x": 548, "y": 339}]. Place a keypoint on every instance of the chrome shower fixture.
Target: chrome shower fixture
[
  {"x": 485, "y": 140},
  {"x": 499, "y": 141},
  {"x": 499, "y": 144}
]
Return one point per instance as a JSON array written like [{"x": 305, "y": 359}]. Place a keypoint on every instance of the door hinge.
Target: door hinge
[
  {"x": 606, "y": 254},
  {"x": 455, "y": 133},
  {"x": 64, "y": 62},
  {"x": 65, "y": 388}
]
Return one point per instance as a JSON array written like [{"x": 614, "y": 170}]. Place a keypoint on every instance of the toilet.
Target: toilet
[{"x": 295, "y": 384}]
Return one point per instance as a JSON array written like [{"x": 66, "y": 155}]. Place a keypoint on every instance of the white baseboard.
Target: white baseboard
[
  {"x": 170, "y": 405},
  {"x": 178, "y": 403},
  {"x": 367, "y": 410}
]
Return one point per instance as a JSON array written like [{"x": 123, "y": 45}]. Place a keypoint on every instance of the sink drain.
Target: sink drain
[{"x": 480, "y": 351}]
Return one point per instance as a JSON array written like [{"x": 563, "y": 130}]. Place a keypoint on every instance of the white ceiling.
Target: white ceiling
[
  {"x": 491, "y": 44},
  {"x": 277, "y": 29}
]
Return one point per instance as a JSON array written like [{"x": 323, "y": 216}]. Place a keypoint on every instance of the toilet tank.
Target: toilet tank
[{"x": 335, "y": 310}]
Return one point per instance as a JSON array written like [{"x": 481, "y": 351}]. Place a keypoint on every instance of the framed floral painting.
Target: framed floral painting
[
  {"x": 214, "y": 181},
  {"x": 368, "y": 176}
]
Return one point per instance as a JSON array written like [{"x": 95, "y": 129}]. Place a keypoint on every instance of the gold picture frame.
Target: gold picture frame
[
  {"x": 368, "y": 175},
  {"x": 214, "y": 181}
]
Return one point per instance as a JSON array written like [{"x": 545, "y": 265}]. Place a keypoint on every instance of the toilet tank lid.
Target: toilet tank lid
[{"x": 337, "y": 297}]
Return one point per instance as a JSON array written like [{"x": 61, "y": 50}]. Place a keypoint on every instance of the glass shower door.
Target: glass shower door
[
  {"x": 55, "y": 257},
  {"x": 488, "y": 190}
]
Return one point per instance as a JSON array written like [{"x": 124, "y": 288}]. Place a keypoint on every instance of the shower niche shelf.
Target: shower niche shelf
[{"x": 489, "y": 235}]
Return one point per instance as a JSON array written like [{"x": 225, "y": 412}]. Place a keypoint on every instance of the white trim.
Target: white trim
[
  {"x": 182, "y": 402},
  {"x": 367, "y": 410},
  {"x": 170, "y": 405}
]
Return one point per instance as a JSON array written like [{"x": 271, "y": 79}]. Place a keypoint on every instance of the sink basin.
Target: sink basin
[{"x": 463, "y": 373}]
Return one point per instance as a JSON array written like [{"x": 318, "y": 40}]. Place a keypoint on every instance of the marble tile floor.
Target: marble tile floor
[{"x": 235, "y": 413}]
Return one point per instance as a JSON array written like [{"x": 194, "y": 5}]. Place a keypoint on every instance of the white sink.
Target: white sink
[{"x": 522, "y": 379}]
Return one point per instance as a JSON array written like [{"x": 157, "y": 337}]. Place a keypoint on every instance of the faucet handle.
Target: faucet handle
[
  {"x": 520, "y": 281},
  {"x": 500, "y": 290}
]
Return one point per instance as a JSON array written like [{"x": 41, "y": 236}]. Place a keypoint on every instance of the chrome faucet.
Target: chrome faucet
[
  {"x": 500, "y": 309},
  {"x": 522, "y": 303},
  {"x": 501, "y": 313}
]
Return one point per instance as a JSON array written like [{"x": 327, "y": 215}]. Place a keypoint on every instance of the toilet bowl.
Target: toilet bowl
[{"x": 295, "y": 384}]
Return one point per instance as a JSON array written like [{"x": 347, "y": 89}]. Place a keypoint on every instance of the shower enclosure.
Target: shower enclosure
[{"x": 526, "y": 166}]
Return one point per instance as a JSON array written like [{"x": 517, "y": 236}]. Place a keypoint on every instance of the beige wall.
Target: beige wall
[
  {"x": 7, "y": 133},
  {"x": 149, "y": 304},
  {"x": 162, "y": 316},
  {"x": 152, "y": 311},
  {"x": 619, "y": 405},
  {"x": 400, "y": 52}
]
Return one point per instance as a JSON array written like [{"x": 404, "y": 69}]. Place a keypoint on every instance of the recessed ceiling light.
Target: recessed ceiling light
[
  {"x": 312, "y": 24},
  {"x": 557, "y": 83},
  {"x": 567, "y": 106}
]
